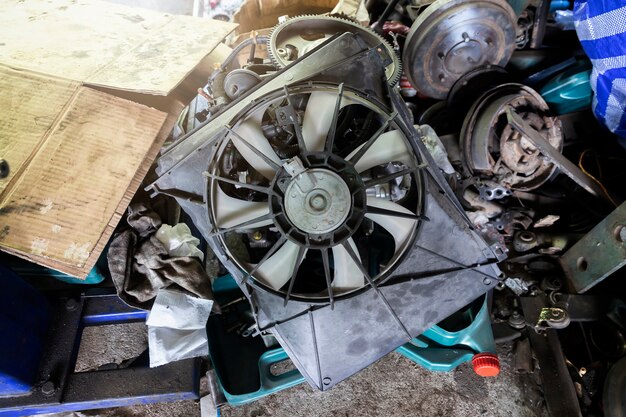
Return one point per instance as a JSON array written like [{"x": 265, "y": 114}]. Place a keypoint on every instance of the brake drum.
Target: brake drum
[{"x": 452, "y": 37}]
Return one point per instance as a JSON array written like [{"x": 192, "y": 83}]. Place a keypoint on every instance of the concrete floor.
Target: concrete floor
[{"x": 394, "y": 386}]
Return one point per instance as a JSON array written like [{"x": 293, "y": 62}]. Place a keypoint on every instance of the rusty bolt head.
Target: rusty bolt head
[{"x": 48, "y": 388}]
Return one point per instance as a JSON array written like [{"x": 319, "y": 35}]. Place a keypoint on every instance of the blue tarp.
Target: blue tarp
[{"x": 601, "y": 28}]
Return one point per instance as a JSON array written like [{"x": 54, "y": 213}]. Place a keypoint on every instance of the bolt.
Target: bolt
[
  {"x": 527, "y": 236},
  {"x": 516, "y": 320},
  {"x": 71, "y": 304},
  {"x": 487, "y": 281},
  {"x": 620, "y": 233},
  {"x": 318, "y": 202},
  {"x": 257, "y": 235},
  {"x": 442, "y": 77},
  {"x": 556, "y": 313},
  {"x": 48, "y": 388},
  {"x": 466, "y": 37}
]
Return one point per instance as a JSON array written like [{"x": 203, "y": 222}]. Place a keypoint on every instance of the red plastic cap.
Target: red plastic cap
[{"x": 486, "y": 364}]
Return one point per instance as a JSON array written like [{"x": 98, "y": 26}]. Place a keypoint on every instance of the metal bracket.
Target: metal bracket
[
  {"x": 598, "y": 254},
  {"x": 61, "y": 389}
]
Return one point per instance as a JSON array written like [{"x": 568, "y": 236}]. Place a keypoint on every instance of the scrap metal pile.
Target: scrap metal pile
[{"x": 358, "y": 198}]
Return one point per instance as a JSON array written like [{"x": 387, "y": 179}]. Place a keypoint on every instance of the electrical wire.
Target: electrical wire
[{"x": 582, "y": 168}]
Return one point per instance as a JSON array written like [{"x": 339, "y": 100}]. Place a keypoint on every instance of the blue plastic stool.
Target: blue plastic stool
[{"x": 23, "y": 325}]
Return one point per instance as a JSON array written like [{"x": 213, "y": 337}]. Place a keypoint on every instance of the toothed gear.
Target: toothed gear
[
  {"x": 345, "y": 17},
  {"x": 308, "y": 31}
]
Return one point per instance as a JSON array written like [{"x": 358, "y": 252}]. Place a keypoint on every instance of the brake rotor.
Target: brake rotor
[
  {"x": 295, "y": 37},
  {"x": 452, "y": 37}
]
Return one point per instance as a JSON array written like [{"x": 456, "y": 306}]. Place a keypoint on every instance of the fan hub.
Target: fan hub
[{"x": 317, "y": 201}]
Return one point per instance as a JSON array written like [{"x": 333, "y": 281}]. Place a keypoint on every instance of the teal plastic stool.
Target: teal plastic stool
[
  {"x": 269, "y": 383},
  {"x": 26, "y": 269},
  {"x": 569, "y": 91},
  {"x": 439, "y": 349}
]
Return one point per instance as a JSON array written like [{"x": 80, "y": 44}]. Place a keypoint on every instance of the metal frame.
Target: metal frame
[
  {"x": 559, "y": 390},
  {"x": 58, "y": 388}
]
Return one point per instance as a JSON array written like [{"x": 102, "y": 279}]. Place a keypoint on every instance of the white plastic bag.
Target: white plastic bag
[
  {"x": 177, "y": 327},
  {"x": 178, "y": 240}
]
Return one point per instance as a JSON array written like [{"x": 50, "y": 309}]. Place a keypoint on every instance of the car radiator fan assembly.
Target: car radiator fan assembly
[{"x": 315, "y": 191}]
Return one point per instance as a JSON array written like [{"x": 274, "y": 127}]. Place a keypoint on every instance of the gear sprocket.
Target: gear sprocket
[{"x": 298, "y": 35}]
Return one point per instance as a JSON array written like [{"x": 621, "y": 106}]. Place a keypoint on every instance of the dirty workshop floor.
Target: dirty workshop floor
[{"x": 393, "y": 386}]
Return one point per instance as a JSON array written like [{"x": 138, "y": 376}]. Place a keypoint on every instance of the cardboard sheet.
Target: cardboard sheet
[
  {"x": 77, "y": 150},
  {"x": 70, "y": 189},
  {"x": 29, "y": 106},
  {"x": 105, "y": 44}
]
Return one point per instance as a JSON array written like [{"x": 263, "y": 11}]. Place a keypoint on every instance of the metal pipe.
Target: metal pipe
[
  {"x": 235, "y": 52},
  {"x": 378, "y": 26}
]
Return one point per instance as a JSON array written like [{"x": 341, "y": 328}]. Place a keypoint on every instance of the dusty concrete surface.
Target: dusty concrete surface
[
  {"x": 394, "y": 386},
  {"x": 111, "y": 344}
]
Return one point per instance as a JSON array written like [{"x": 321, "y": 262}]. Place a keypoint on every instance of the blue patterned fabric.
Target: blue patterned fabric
[{"x": 601, "y": 28}]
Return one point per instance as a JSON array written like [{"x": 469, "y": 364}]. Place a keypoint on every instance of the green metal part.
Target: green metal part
[{"x": 598, "y": 254}]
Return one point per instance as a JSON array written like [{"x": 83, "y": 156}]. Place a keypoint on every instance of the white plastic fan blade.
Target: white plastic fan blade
[
  {"x": 399, "y": 227},
  {"x": 347, "y": 275},
  {"x": 277, "y": 269},
  {"x": 250, "y": 130},
  {"x": 317, "y": 119},
  {"x": 389, "y": 147},
  {"x": 231, "y": 211}
]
